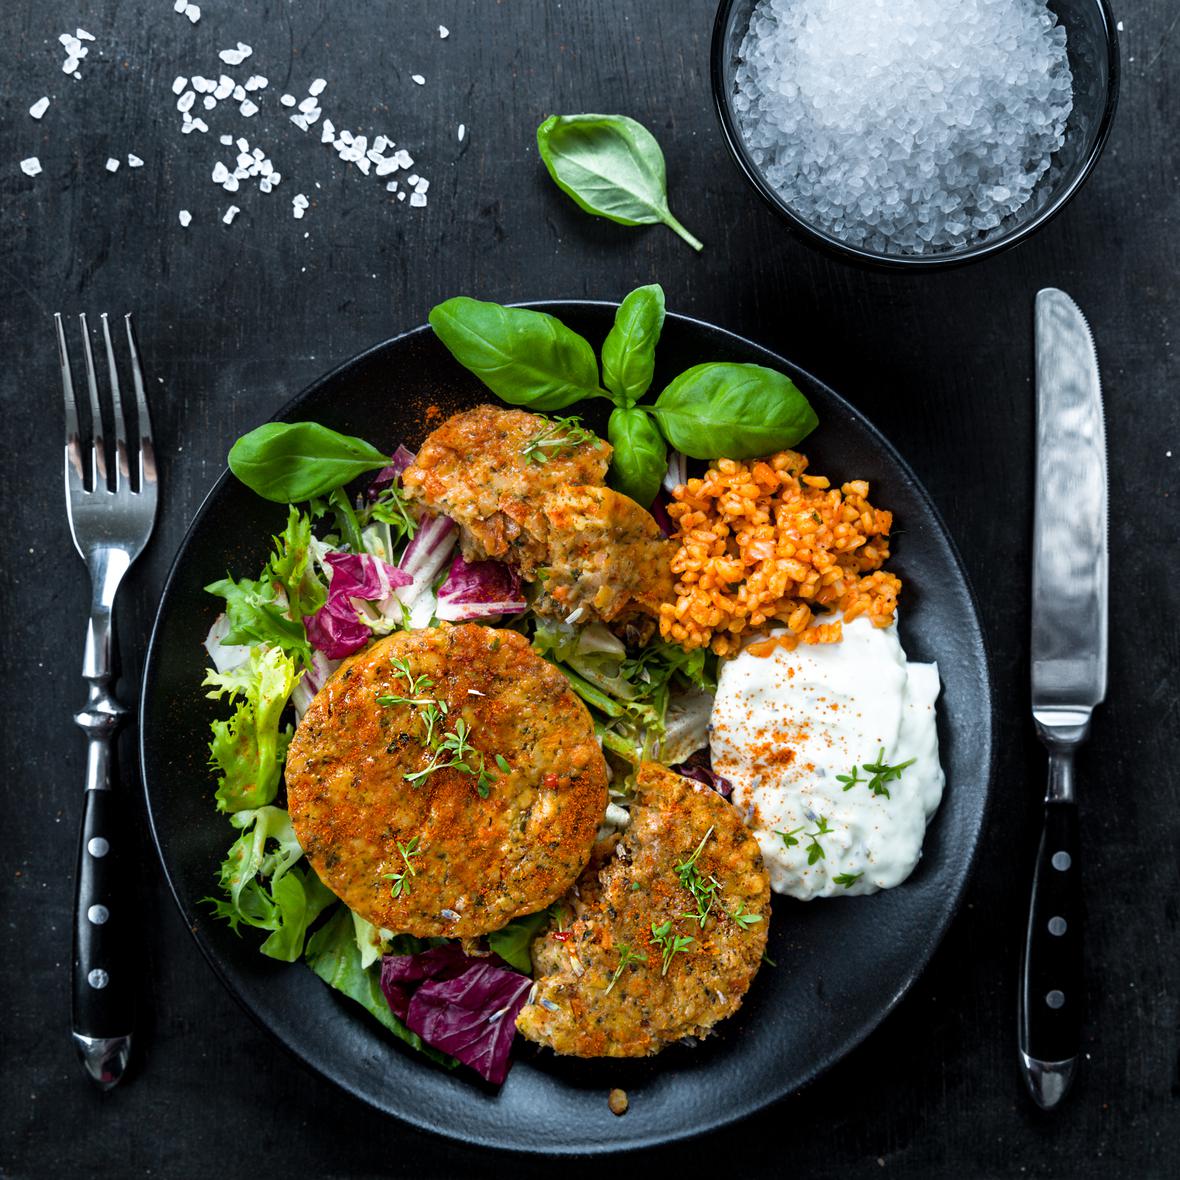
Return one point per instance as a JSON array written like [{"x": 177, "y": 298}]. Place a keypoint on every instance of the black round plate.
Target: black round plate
[{"x": 841, "y": 965}]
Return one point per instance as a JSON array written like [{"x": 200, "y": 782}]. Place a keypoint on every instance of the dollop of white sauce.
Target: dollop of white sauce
[{"x": 784, "y": 725}]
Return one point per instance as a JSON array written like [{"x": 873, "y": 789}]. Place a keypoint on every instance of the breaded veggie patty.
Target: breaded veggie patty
[
  {"x": 482, "y": 468},
  {"x": 606, "y": 555},
  {"x": 609, "y": 983},
  {"x": 386, "y": 793}
]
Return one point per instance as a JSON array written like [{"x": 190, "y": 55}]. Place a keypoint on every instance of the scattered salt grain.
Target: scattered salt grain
[
  {"x": 179, "y": 84},
  {"x": 220, "y": 173},
  {"x": 209, "y": 102},
  {"x": 186, "y": 100},
  {"x": 257, "y": 82},
  {"x": 230, "y": 214},
  {"x": 133, "y": 161},
  {"x": 418, "y": 200},
  {"x": 462, "y": 131},
  {"x": 112, "y": 164},
  {"x": 288, "y": 100},
  {"x": 31, "y": 166},
  {"x": 235, "y": 57},
  {"x": 179, "y": 6},
  {"x": 443, "y": 32},
  {"x": 224, "y": 87},
  {"x": 39, "y": 107},
  {"x": 899, "y": 131},
  {"x": 248, "y": 109},
  {"x": 317, "y": 87},
  {"x": 193, "y": 12},
  {"x": 83, "y": 35},
  {"x": 227, "y": 140},
  {"x": 418, "y": 78},
  {"x": 185, "y": 218}
]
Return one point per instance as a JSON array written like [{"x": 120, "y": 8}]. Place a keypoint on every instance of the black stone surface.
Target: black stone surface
[{"x": 234, "y": 319}]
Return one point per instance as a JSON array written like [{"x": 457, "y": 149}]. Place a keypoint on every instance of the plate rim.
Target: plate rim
[{"x": 720, "y": 1119}]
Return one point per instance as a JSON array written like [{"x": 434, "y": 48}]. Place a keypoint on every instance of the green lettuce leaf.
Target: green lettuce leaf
[
  {"x": 513, "y": 941},
  {"x": 248, "y": 748},
  {"x": 332, "y": 953}
]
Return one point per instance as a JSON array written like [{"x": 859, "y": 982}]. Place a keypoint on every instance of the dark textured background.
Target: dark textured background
[{"x": 235, "y": 319}]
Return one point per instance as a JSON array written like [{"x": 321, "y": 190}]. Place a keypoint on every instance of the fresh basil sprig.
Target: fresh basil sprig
[
  {"x": 710, "y": 411},
  {"x": 629, "y": 351},
  {"x": 735, "y": 411},
  {"x": 640, "y": 457},
  {"x": 293, "y": 461},
  {"x": 612, "y": 166},
  {"x": 526, "y": 357}
]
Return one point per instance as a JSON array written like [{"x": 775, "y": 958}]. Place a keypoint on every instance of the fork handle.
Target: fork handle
[{"x": 103, "y": 983}]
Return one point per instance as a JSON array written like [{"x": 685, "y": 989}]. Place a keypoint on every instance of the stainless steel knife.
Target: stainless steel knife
[{"x": 1069, "y": 639}]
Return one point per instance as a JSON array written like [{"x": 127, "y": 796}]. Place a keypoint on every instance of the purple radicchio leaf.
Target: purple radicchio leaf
[
  {"x": 402, "y": 458},
  {"x": 336, "y": 629},
  {"x": 699, "y": 768},
  {"x": 460, "y": 1004},
  {"x": 479, "y": 589}
]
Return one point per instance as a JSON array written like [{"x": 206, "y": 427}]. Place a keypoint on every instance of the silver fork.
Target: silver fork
[{"x": 111, "y": 512}]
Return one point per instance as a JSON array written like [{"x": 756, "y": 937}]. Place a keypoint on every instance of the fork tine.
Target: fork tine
[
  {"x": 98, "y": 449},
  {"x": 75, "y": 475},
  {"x": 122, "y": 461},
  {"x": 147, "y": 453}
]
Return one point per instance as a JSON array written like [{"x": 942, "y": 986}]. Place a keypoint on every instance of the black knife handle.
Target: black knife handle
[
  {"x": 1050, "y": 1017},
  {"x": 103, "y": 985}
]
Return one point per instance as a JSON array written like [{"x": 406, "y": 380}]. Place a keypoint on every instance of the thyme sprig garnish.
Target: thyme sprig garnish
[
  {"x": 626, "y": 956},
  {"x": 401, "y": 882},
  {"x": 704, "y": 890},
  {"x": 559, "y": 435},
  {"x": 671, "y": 944}
]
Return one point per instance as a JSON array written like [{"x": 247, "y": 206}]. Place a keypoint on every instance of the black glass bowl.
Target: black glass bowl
[{"x": 1092, "y": 44}]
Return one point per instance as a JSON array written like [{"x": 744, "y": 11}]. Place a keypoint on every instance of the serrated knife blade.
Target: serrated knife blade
[{"x": 1068, "y": 674}]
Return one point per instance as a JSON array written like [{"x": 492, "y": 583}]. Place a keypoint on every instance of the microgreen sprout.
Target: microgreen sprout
[
  {"x": 847, "y": 879},
  {"x": 744, "y": 920},
  {"x": 400, "y": 880},
  {"x": 883, "y": 773},
  {"x": 558, "y": 436},
  {"x": 626, "y": 955},
  {"x": 671, "y": 944},
  {"x": 704, "y": 890}
]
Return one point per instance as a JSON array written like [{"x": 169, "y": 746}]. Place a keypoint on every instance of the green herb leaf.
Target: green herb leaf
[
  {"x": 734, "y": 411},
  {"x": 640, "y": 457},
  {"x": 294, "y": 461},
  {"x": 559, "y": 436},
  {"x": 847, "y": 879},
  {"x": 611, "y": 166},
  {"x": 883, "y": 773},
  {"x": 525, "y": 357},
  {"x": 513, "y": 942},
  {"x": 629, "y": 351},
  {"x": 626, "y": 956}
]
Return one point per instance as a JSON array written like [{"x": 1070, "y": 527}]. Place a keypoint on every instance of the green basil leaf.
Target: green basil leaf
[
  {"x": 721, "y": 410},
  {"x": 611, "y": 166},
  {"x": 525, "y": 357},
  {"x": 293, "y": 461},
  {"x": 629, "y": 351},
  {"x": 640, "y": 457}
]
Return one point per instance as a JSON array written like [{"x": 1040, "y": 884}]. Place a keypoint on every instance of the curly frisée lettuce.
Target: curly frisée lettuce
[
  {"x": 249, "y": 748},
  {"x": 262, "y": 886}
]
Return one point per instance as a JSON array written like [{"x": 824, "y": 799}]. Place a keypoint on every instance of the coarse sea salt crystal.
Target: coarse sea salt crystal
[
  {"x": 418, "y": 78},
  {"x": 83, "y": 35},
  {"x": 462, "y": 131},
  {"x": 39, "y": 107},
  {"x": 317, "y": 87},
  {"x": 133, "y": 161},
  {"x": 443, "y": 32},
  {"x": 185, "y": 218},
  {"x": 179, "y": 83},
  {"x": 248, "y": 108},
  {"x": 227, "y": 140},
  {"x": 193, "y": 12},
  {"x": 31, "y": 166},
  {"x": 288, "y": 100},
  {"x": 112, "y": 164},
  {"x": 230, "y": 214},
  {"x": 902, "y": 131}
]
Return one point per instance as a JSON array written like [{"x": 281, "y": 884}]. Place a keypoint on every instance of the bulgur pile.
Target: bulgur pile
[{"x": 761, "y": 543}]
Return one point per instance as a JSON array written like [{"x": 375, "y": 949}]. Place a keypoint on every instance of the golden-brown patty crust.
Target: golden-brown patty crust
[
  {"x": 426, "y": 854},
  {"x": 475, "y": 469},
  {"x": 606, "y": 556},
  {"x": 606, "y": 986}
]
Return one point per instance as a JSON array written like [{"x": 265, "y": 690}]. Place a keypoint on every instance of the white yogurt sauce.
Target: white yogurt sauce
[{"x": 784, "y": 725}]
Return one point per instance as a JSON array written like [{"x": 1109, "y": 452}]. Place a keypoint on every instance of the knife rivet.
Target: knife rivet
[
  {"x": 1061, "y": 861},
  {"x": 1055, "y": 999},
  {"x": 1057, "y": 926},
  {"x": 97, "y": 846},
  {"x": 98, "y": 978}
]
